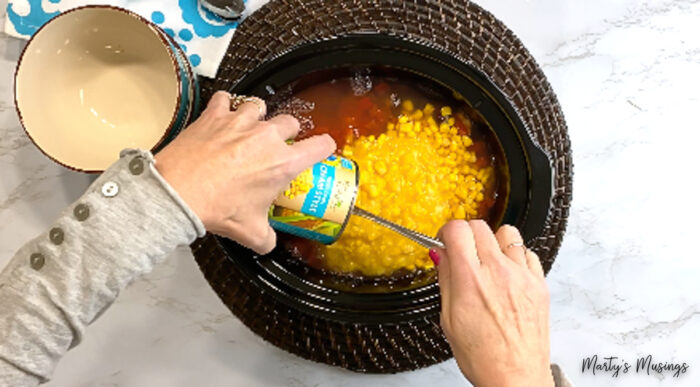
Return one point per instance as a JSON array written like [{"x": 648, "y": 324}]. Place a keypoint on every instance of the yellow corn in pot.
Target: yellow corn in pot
[{"x": 419, "y": 174}]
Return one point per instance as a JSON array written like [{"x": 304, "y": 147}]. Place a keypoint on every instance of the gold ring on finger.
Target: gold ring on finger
[
  {"x": 238, "y": 100},
  {"x": 517, "y": 244}
]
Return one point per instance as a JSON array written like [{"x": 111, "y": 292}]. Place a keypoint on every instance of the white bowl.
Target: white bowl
[{"x": 96, "y": 80}]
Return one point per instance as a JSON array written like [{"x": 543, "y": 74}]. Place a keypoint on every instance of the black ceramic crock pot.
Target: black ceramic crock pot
[{"x": 528, "y": 170}]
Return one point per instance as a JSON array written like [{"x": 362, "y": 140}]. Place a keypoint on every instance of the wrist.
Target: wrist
[
  {"x": 529, "y": 377},
  {"x": 175, "y": 179},
  {"x": 170, "y": 182},
  {"x": 520, "y": 380},
  {"x": 497, "y": 375}
]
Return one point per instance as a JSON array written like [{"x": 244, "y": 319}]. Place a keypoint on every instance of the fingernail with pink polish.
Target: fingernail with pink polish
[{"x": 434, "y": 256}]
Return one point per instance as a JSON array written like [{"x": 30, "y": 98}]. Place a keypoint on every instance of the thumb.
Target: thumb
[
  {"x": 444, "y": 282},
  {"x": 267, "y": 241},
  {"x": 256, "y": 234}
]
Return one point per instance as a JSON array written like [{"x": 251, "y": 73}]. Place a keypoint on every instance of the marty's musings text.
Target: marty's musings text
[{"x": 616, "y": 366}]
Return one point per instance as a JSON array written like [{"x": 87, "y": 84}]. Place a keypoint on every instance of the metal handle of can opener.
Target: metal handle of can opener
[{"x": 415, "y": 236}]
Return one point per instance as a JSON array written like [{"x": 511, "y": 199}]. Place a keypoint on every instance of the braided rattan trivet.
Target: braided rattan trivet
[{"x": 473, "y": 35}]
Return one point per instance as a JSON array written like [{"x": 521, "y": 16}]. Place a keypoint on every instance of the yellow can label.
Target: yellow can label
[{"x": 318, "y": 201}]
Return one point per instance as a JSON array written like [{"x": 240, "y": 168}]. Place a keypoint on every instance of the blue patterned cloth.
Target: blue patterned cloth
[{"x": 202, "y": 35}]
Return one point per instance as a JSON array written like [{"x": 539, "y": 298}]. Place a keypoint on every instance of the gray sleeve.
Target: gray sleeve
[
  {"x": 129, "y": 220},
  {"x": 560, "y": 379}
]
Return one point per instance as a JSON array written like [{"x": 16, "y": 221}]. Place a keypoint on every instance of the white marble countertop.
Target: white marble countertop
[{"x": 625, "y": 283}]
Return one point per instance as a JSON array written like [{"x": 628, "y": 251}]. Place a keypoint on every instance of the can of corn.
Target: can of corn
[{"x": 317, "y": 204}]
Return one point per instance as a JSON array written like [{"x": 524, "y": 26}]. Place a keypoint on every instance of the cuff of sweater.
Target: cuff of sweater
[{"x": 147, "y": 157}]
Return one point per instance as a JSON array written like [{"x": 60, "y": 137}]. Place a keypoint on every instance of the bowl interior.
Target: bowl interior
[{"x": 94, "y": 81}]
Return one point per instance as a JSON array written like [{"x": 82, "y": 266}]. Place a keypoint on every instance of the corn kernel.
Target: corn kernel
[
  {"x": 407, "y": 105},
  {"x": 446, "y": 111},
  {"x": 406, "y": 127},
  {"x": 380, "y": 167}
]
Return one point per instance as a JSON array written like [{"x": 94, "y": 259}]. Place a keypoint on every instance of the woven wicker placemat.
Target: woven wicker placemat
[{"x": 474, "y": 36}]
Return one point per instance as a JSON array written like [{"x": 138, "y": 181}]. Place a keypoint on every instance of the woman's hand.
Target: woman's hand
[
  {"x": 230, "y": 166},
  {"x": 495, "y": 305}
]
